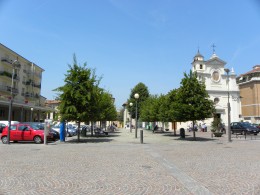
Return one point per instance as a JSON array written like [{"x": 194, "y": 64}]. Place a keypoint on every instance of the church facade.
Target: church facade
[{"x": 221, "y": 86}]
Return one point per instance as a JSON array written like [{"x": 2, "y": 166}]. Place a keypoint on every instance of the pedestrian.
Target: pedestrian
[
  {"x": 195, "y": 127},
  {"x": 203, "y": 127}
]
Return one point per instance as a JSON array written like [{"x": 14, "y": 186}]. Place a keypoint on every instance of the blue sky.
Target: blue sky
[{"x": 130, "y": 41}]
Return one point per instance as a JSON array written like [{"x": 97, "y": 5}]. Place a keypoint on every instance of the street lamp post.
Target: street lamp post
[
  {"x": 228, "y": 104},
  {"x": 11, "y": 103},
  {"x": 136, "y": 96},
  {"x": 130, "y": 104},
  {"x": 31, "y": 115}
]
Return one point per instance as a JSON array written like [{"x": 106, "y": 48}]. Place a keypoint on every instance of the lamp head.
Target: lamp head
[
  {"x": 130, "y": 104},
  {"x": 227, "y": 70},
  {"x": 16, "y": 64},
  {"x": 136, "y": 96}
]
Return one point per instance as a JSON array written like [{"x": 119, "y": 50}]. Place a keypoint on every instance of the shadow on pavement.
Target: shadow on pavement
[
  {"x": 191, "y": 138},
  {"x": 90, "y": 140},
  {"x": 93, "y": 139},
  {"x": 188, "y": 137}
]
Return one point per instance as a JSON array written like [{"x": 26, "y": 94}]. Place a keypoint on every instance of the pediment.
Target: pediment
[{"x": 215, "y": 61}]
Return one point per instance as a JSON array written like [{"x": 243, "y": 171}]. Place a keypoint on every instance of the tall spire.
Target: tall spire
[{"x": 198, "y": 56}]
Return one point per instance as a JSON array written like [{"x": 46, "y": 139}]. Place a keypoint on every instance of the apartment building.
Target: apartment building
[
  {"x": 20, "y": 88},
  {"x": 54, "y": 105},
  {"x": 249, "y": 86}
]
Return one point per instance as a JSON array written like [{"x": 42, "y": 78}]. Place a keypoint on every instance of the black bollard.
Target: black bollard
[
  {"x": 182, "y": 133},
  {"x": 141, "y": 137}
]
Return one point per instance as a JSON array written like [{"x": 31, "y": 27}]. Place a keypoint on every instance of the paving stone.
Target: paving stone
[{"x": 120, "y": 164}]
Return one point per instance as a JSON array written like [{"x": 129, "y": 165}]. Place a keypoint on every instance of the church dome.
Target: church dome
[{"x": 214, "y": 55}]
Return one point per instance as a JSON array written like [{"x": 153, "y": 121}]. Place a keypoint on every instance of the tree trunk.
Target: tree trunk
[
  {"x": 92, "y": 128},
  {"x": 79, "y": 131},
  {"x": 194, "y": 133},
  {"x": 174, "y": 128}
]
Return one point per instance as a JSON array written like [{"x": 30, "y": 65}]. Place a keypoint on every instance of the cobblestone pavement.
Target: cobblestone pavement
[{"x": 120, "y": 165}]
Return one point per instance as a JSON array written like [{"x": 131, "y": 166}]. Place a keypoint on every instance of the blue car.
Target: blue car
[{"x": 243, "y": 128}]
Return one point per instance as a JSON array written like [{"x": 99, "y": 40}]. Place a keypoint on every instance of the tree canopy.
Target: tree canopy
[
  {"x": 78, "y": 93},
  {"x": 192, "y": 101},
  {"x": 81, "y": 98},
  {"x": 143, "y": 92}
]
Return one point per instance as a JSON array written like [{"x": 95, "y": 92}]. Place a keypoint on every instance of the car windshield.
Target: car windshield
[{"x": 35, "y": 127}]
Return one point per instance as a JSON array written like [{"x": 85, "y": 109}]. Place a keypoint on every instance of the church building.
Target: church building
[{"x": 221, "y": 86}]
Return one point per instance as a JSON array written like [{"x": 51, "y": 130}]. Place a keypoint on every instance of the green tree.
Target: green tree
[
  {"x": 143, "y": 92},
  {"x": 149, "y": 109},
  {"x": 172, "y": 105},
  {"x": 120, "y": 116},
  {"x": 155, "y": 108},
  {"x": 163, "y": 109},
  {"x": 78, "y": 94},
  {"x": 192, "y": 101},
  {"x": 107, "y": 108}
]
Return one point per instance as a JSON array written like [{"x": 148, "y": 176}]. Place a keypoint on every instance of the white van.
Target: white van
[{"x": 7, "y": 122}]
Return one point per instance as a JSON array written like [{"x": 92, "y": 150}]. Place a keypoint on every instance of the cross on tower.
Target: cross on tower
[{"x": 213, "y": 46}]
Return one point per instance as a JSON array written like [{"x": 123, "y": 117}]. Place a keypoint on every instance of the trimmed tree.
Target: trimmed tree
[
  {"x": 192, "y": 101},
  {"x": 78, "y": 94},
  {"x": 150, "y": 109},
  {"x": 143, "y": 92}
]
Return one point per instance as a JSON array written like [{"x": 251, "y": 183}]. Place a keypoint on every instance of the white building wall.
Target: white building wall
[{"x": 219, "y": 88}]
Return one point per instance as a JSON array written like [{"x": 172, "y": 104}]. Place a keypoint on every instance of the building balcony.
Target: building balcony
[
  {"x": 9, "y": 75},
  {"x": 32, "y": 83},
  {"x": 38, "y": 86},
  {"x": 9, "y": 62},
  {"x": 5, "y": 73},
  {"x": 6, "y": 60},
  {"x": 30, "y": 95},
  {"x": 14, "y": 90},
  {"x": 32, "y": 74},
  {"x": 7, "y": 89},
  {"x": 28, "y": 82}
]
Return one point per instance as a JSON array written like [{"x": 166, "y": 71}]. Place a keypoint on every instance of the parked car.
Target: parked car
[
  {"x": 71, "y": 131},
  {"x": 7, "y": 122},
  {"x": 87, "y": 128},
  {"x": 24, "y": 132},
  {"x": 56, "y": 128},
  {"x": 243, "y": 128},
  {"x": 256, "y": 125},
  {"x": 2, "y": 126},
  {"x": 56, "y": 135}
]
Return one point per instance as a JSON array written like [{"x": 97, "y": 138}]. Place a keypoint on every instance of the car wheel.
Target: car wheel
[
  {"x": 232, "y": 132},
  {"x": 4, "y": 140},
  {"x": 37, "y": 139},
  {"x": 243, "y": 132}
]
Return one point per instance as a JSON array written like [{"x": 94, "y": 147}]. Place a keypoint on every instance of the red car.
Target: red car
[{"x": 24, "y": 132}]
